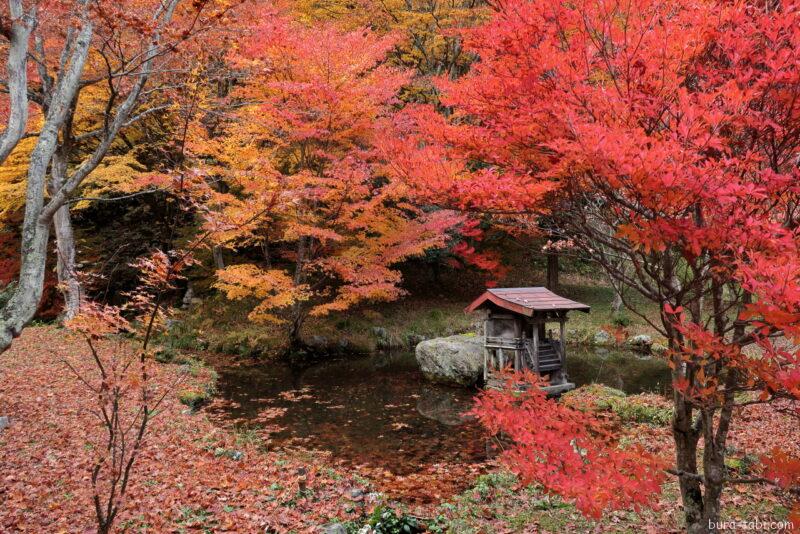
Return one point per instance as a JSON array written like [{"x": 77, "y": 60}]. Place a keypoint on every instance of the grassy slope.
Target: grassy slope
[{"x": 223, "y": 325}]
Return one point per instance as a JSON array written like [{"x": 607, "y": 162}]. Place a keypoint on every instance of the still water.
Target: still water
[{"x": 378, "y": 412}]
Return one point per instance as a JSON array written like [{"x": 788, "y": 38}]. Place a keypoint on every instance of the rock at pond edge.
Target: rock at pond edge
[{"x": 456, "y": 360}]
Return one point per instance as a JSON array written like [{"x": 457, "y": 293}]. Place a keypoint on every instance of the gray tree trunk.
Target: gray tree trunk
[
  {"x": 219, "y": 261},
  {"x": 66, "y": 266},
  {"x": 23, "y": 303},
  {"x": 71, "y": 287},
  {"x": 616, "y": 302},
  {"x": 17, "y": 78}
]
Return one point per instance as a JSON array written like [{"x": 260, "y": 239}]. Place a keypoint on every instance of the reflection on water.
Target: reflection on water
[
  {"x": 630, "y": 372},
  {"x": 378, "y": 411}
]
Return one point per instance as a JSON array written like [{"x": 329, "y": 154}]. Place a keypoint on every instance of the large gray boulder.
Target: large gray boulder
[{"x": 454, "y": 360}]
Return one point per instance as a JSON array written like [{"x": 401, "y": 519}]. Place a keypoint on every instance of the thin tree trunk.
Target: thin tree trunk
[
  {"x": 66, "y": 266},
  {"x": 298, "y": 312},
  {"x": 686, "y": 438},
  {"x": 616, "y": 302},
  {"x": 219, "y": 261},
  {"x": 552, "y": 271},
  {"x": 17, "y": 78},
  {"x": 267, "y": 256}
]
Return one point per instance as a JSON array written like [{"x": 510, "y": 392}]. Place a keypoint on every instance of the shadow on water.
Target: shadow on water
[{"x": 379, "y": 412}]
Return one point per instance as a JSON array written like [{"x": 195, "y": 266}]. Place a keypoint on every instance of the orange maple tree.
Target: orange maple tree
[{"x": 296, "y": 175}]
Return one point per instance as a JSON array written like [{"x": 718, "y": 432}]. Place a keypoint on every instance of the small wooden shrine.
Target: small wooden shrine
[{"x": 516, "y": 333}]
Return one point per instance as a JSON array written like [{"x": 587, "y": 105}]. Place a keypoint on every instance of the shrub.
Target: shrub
[
  {"x": 386, "y": 521},
  {"x": 620, "y": 319},
  {"x": 635, "y": 411},
  {"x": 193, "y": 398}
]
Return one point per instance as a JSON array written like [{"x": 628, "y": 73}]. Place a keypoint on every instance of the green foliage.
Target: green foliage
[
  {"x": 621, "y": 319},
  {"x": 658, "y": 349},
  {"x": 486, "y": 484},
  {"x": 630, "y": 409},
  {"x": 635, "y": 412},
  {"x": 196, "y": 519},
  {"x": 598, "y": 392},
  {"x": 193, "y": 398},
  {"x": 167, "y": 354},
  {"x": 497, "y": 495},
  {"x": 181, "y": 336},
  {"x": 386, "y": 521},
  {"x": 196, "y": 396},
  {"x": 250, "y": 437},
  {"x": 742, "y": 466}
]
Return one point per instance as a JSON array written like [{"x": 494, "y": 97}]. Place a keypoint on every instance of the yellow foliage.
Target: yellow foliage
[
  {"x": 13, "y": 179},
  {"x": 273, "y": 287},
  {"x": 116, "y": 174},
  {"x": 428, "y": 44}
]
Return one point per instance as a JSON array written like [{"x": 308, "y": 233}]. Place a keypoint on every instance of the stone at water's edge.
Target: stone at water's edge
[{"x": 454, "y": 360}]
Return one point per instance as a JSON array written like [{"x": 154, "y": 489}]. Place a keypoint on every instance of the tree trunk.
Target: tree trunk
[
  {"x": 267, "y": 256},
  {"x": 686, "y": 438},
  {"x": 66, "y": 267},
  {"x": 298, "y": 310},
  {"x": 24, "y": 302},
  {"x": 22, "y": 306},
  {"x": 219, "y": 261},
  {"x": 16, "y": 78},
  {"x": 616, "y": 302},
  {"x": 552, "y": 271}
]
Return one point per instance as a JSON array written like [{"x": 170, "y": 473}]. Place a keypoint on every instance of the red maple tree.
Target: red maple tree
[{"x": 662, "y": 138}]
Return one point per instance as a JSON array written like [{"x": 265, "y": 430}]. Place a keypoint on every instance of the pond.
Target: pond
[{"x": 379, "y": 415}]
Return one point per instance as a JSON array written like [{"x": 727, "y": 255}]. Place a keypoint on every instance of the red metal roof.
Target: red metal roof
[{"x": 526, "y": 300}]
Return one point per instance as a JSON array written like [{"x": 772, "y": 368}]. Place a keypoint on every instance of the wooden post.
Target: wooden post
[
  {"x": 485, "y": 351},
  {"x": 519, "y": 330},
  {"x": 536, "y": 349},
  {"x": 563, "y": 346}
]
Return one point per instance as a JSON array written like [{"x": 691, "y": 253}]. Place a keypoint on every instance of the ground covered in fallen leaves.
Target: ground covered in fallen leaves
[
  {"x": 189, "y": 474},
  {"x": 196, "y": 474}
]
